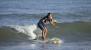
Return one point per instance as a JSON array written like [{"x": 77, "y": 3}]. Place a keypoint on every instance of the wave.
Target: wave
[
  {"x": 17, "y": 25},
  {"x": 69, "y": 32},
  {"x": 27, "y": 31}
]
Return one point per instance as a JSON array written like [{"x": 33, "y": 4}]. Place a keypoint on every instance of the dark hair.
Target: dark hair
[{"x": 49, "y": 13}]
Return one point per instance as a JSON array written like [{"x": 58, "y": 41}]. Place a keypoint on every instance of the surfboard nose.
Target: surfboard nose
[{"x": 56, "y": 41}]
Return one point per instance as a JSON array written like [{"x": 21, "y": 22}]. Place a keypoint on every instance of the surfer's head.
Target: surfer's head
[{"x": 50, "y": 16}]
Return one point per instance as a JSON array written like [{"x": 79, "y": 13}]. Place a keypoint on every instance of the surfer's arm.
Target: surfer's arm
[
  {"x": 51, "y": 22},
  {"x": 45, "y": 21}
]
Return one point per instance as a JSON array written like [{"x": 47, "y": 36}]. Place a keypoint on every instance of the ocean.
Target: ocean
[{"x": 19, "y": 18}]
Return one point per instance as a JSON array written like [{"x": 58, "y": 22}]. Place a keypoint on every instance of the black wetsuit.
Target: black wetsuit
[{"x": 41, "y": 23}]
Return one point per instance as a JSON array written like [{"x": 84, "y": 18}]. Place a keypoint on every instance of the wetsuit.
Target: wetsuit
[{"x": 41, "y": 23}]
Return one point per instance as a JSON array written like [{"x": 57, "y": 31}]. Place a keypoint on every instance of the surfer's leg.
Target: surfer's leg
[
  {"x": 40, "y": 25},
  {"x": 43, "y": 33},
  {"x": 46, "y": 33}
]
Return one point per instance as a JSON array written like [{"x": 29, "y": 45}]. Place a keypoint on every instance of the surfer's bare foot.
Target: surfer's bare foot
[
  {"x": 42, "y": 38},
  {"x": 35, "y": 38}
]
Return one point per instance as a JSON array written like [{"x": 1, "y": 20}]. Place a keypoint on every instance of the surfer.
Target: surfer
[{"x": 42, "y": 25}]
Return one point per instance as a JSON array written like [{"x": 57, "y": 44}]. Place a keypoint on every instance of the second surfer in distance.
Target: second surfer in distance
[{"x": 42, "y": 25}]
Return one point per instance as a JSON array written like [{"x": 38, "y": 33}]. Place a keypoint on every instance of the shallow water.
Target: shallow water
[
  {"x": 44, "y": 46},
  {"x": 73, "y": 37}
]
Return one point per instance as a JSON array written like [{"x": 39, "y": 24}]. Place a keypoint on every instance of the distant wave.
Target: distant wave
[{"x": 27, "y": 19}]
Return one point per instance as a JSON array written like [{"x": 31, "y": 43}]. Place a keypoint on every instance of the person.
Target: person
[{"x": 42, "y": 25}]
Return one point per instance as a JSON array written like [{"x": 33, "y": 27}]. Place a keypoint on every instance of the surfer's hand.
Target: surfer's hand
[{"x": 53, "y": 24}]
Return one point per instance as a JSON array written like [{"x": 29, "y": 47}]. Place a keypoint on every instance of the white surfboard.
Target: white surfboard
[{"x": 53, "y": 40}]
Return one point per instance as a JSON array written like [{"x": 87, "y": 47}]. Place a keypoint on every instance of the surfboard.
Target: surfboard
[
  {"x": 56, "y": 40},
  {"x": 53, "y": 40}
]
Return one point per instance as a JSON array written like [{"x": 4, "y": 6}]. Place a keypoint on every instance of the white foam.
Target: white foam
[
  {"x": 56, "y": 40},
  {"x": 27, "y": 29}
]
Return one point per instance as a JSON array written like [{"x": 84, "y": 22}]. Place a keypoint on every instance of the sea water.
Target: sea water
[{"x": 19, "y": 18}]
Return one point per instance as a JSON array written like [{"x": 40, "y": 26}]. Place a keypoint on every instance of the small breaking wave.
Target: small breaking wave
[{"x": 27, "y": 30}]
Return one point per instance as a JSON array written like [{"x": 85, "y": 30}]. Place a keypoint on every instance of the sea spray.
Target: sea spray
[{"x": 26, "y": 29}]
